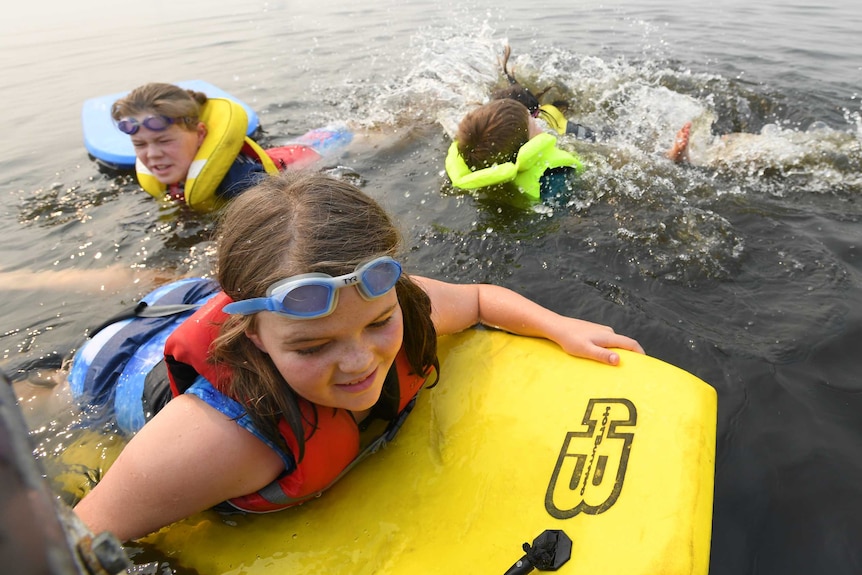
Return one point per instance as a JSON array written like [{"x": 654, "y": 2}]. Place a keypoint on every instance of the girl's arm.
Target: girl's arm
[
  {"x": 111, "y": 278},
  {"x": 188, "y": 458},
  {"x": 455, "y": 307}
]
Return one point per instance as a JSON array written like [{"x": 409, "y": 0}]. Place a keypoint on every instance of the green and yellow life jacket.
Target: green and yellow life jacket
[{"x": 539, "y": 154}]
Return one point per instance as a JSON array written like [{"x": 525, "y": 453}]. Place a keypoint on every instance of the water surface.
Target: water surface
[{"x": 744, "y": 270}]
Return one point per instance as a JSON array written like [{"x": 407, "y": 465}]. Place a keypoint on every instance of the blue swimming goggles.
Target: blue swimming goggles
[
  {"x": 315, "y": 295},
  {"x": 157, "y": 123}
]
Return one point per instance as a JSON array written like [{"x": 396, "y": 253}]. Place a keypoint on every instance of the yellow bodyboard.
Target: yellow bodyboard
[{"x": 517, "y": 438}]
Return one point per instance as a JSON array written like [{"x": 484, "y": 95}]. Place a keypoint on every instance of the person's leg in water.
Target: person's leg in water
[
  {"x": 679, "y": 151},
  {"x": 42, "y": 396}
]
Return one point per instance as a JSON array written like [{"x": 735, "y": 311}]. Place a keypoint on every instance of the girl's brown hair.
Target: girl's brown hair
[
  {"x": 493, "y": 133},
  {"x": 163, "y": 99},
  {"x": 291, "y": 224}
]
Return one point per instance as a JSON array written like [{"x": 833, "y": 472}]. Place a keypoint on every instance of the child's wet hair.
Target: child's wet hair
[
  {"x": 299, "y": 223},
  {"x": 520, "y": 94},
  {"x": 161, "y": 98},
  {"x": 493, "y": 133},
  {"x": 515, "y": 90}
]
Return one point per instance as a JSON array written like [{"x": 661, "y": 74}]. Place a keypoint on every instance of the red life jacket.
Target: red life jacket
[{"x": 331, "y": 448}]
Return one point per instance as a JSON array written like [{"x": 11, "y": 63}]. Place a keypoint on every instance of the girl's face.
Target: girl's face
[
  {"x": 340, "y": 360},
  {"x": 168, "y": 153}
]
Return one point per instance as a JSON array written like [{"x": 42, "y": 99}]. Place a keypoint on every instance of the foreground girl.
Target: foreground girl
[{"x": 317, "y": 333}]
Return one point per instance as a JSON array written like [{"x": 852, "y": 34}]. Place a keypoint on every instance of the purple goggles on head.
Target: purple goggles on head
[
  {"x": 314, "y": 295},
  {"x": 156, "y": 123}
]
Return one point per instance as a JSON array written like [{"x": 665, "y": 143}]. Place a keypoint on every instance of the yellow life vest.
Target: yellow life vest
[
  {"x": 226, "y": 123},
  {"x": 554, "y": 118},
  {"x": 540, "y": 153}
]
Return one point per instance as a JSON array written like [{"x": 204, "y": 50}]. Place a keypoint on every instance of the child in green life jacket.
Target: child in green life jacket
[{"x": 501, "y": 147}]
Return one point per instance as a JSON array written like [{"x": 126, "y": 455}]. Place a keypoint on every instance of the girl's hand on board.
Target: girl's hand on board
[{"x": 594, "y": 341}]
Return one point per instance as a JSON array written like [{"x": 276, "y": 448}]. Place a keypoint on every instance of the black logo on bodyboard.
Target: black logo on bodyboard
[{"x": 590, "y": 469}]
